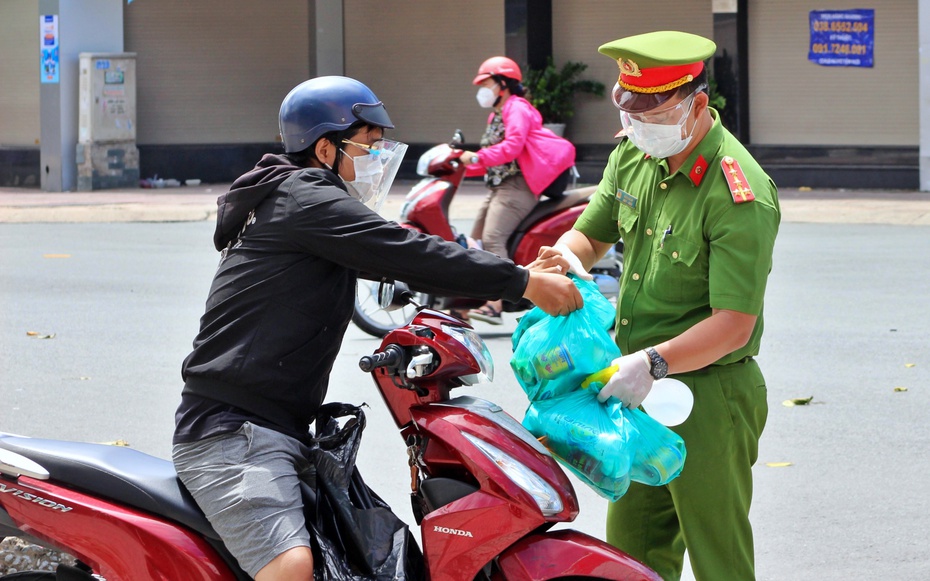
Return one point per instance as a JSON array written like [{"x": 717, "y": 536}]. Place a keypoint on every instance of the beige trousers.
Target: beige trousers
[{"x": 500, "y": 214}]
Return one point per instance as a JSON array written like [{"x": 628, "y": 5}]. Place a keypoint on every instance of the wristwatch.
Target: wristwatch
[
  {"x": 473, "y": 160},
  {"x": 659, "y": 367}
]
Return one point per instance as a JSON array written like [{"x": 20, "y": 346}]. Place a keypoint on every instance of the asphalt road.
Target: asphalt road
[{"x": 113, "y": 309}]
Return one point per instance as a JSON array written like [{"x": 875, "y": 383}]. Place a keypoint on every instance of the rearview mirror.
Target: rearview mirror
[
  {"x": 385, "y": 294},
  {"x": 393, "y": 295}
]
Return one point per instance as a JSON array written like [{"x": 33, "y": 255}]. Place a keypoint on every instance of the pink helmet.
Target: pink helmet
[{"x": 498, "y": 65}]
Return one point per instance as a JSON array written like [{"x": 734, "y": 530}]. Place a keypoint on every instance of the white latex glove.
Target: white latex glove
[
  {"x": 631, "y": 382},
  {"x": 574, "y": 264}
]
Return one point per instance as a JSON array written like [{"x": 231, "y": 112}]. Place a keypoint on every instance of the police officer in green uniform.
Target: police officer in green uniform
[{"x": 698, "y": 219}]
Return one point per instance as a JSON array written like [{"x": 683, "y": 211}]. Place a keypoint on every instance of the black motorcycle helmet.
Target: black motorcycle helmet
[{"x": 326, "y": 104}]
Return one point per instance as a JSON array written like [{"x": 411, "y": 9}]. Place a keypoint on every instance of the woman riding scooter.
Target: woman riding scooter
[{"x": 520, "y": 161}]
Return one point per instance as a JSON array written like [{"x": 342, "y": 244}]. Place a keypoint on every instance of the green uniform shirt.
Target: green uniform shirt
[{"x": 688, "y": 246}]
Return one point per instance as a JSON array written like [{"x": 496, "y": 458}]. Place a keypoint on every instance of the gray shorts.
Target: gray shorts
[{"x": 247, "y": 484}]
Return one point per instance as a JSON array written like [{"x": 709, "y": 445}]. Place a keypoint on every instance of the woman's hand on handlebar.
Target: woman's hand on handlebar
[
  {"x": 466, "y": 156},
  {"x": 555, "y": 293}
]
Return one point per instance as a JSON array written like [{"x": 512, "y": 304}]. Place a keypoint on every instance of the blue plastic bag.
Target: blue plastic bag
[
  {"x": 553, "y": 355},
  {"x": 561, "y": 363},
  {"x": 597, "y": 309},
  {"x": 605, "y": 444},
  {"x": 591, "y": 439},
  {"x": 658, "y": 453}
]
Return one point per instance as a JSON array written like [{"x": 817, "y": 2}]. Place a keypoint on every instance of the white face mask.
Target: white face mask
[
  {"x": 486, "y": 97},
  {"x": 659, "y": 140},
  {"x": 368, "y": 174},
  {"x": 375, "y": 172}
]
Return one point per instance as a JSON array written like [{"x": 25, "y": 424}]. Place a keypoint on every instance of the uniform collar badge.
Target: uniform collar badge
[{"x": 698, "y": 170}]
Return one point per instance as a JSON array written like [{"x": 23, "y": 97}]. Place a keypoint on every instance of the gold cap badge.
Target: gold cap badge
[{"x": 629, "y": 68}]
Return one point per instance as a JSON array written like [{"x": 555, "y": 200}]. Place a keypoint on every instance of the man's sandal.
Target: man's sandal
[{"x": 486, "y": 314}]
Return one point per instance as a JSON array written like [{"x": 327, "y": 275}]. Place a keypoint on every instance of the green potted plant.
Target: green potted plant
[{"x": 552, "y": 90}]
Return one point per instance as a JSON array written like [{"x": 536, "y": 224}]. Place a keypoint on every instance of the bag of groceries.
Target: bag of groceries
[
  {"x": 562, "y": 363},
  {"x": 553, "y": 355}
]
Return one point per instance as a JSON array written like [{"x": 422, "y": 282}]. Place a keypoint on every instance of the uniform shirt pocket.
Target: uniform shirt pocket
[
  {"x": 626, "y": 218},
  {"x": 679, "y": 270}
]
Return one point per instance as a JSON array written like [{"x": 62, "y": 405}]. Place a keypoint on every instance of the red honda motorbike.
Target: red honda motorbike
[
  {"x": 485, "y": 492},
  {"x": 426, "y": 209}
]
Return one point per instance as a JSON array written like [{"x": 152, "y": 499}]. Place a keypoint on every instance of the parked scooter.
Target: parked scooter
[
  {"x": 485, "y": 492},
  {"x": 426, "y": 209}
]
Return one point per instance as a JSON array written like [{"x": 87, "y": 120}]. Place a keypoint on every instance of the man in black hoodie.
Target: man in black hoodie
[{"x": 294, "y": 233}]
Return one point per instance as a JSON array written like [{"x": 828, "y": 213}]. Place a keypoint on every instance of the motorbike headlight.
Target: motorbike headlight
[
  {"x": 548, "y": 500},
  {"x": 479, "y": 350},
  {"x": 428, "y": 156}
]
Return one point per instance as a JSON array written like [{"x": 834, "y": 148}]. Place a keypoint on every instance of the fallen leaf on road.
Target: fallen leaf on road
[
  {"x": 779, "y": 464},
  {"x": 909, "y": 365},
  {"x": 40, "y": 335},
  {"x": 900, "y": 389},
  {"x": 56, "y": 256},
  {"x": 797, "y": 401}
]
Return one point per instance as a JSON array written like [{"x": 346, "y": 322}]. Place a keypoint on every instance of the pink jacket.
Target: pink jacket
[{"x": 541, "y": 154}]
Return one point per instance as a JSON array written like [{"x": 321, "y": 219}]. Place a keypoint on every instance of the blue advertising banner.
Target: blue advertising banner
[
  {"x": 48, "y": 44},
  {"x": 842, "y": 38}
]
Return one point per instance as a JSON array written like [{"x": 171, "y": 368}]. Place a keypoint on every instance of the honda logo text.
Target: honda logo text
[{"x": 448, "y": 531}]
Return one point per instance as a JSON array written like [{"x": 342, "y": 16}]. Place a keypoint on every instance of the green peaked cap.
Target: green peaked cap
[{"x": 660, "y": 49}]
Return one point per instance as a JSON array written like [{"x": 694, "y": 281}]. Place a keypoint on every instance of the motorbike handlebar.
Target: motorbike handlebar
[{"x": 392, "y": 356}]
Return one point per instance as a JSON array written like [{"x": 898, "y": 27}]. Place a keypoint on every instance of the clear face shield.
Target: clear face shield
[
  {"x": 375, "y": 171},
  {"x": 661, "y": 134}
]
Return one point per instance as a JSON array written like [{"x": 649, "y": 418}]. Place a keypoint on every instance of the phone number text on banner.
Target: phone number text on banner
[{"x": 842, "y": 38}]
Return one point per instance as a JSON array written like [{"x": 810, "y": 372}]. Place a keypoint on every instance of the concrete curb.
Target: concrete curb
[
  {"x": 858, "y": 211},
  {"x": 107, "y": 213},
  {"x": 187, "y": 204},
  {"x": 194, "y": 204}
]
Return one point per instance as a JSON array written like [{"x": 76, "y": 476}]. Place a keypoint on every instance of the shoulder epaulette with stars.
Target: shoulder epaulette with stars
[{"x": 736, "y": 180}]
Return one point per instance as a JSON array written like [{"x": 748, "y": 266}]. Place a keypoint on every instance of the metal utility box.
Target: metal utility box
[{"x": 107, "y": 156}]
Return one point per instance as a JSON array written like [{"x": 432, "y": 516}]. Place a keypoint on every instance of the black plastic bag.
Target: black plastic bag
[{"x": 355, "y": 535}]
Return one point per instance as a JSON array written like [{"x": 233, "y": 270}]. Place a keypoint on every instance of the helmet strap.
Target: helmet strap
[{"x": 502, "y": 84}]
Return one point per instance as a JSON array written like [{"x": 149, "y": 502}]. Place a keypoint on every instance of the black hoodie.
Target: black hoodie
[{"x": 293, "y": 243}]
